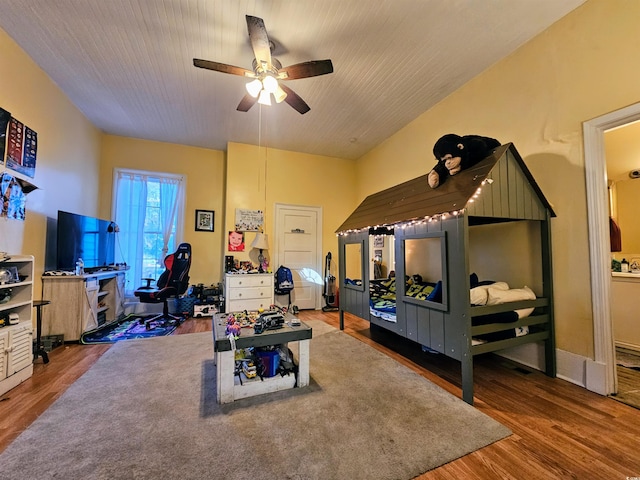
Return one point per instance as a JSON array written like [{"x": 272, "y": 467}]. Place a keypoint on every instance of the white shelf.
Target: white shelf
[{"x": 16, "y": 341}]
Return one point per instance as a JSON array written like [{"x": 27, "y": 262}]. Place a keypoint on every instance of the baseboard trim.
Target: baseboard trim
[{"x": 571, "y": 367}]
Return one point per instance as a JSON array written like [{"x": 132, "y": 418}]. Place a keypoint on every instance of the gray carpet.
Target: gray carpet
[{"x": 147, "y": 410}]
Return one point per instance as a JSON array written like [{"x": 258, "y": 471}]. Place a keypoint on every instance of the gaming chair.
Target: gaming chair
[{"x": 171, "y": 283}]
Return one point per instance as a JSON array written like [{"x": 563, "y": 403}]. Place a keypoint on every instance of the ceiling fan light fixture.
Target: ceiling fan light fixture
[
  {"x": 265, "y": 98},
  {"x": 280, "y": 94},
  {"x": 254, "y": 87},
  {"x": 270, "y": 84}
]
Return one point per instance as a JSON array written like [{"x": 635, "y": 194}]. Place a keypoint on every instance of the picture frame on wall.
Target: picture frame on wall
[{"x": 205, "y": 220}]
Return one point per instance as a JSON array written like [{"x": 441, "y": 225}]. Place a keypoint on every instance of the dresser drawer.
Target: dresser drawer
[
  {"x": 241, "y": 281},
  {"x": 249, "y": 293},
  {"x": 253, "y": 304}
]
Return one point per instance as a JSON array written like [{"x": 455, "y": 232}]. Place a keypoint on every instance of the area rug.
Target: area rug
[
  {"x": 128, "y": 328},
  {"x": 147, "y": 410}
]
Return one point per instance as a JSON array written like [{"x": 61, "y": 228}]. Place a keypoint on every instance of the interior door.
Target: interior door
[{"x": 299, "y": 240}]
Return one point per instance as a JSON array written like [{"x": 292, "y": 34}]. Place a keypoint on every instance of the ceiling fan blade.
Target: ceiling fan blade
[
  {"x": 312, "y": 68},
  {"x": 223, "y": 67},
  {"x": 246, "y": 103},
  {"x": 259, "y": 41},
  {"x": 295, "y": 101}
]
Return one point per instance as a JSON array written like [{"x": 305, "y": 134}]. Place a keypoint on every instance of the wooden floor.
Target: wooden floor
[{"x": 559, "y": 429}]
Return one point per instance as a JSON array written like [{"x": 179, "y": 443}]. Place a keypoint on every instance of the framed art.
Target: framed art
[
  {"x": 249, "y": 220},
  {"x": 204, "y": 220}
]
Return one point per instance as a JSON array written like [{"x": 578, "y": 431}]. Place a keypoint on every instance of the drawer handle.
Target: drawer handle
[{"x": 239, "y": 294}]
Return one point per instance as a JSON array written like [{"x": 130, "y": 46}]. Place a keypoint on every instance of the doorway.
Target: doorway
[
  {"x": 298, "y": 232},
  {"x": 601, "y": 371}
]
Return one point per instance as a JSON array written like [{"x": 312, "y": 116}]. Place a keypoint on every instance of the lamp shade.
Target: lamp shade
[{"x": 261, "y": 242}]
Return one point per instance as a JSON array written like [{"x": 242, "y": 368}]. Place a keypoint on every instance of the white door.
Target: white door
[{"x": 299, "y": 244}]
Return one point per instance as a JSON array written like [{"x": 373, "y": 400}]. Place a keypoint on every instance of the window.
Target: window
[
  {"x": 149, "y": 211},
  {"x": 425, "y": 264},
  {"x": 353, "y": 254}
]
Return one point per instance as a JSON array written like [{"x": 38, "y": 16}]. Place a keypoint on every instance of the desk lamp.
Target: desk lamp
[{"x": 261, "y": 242}]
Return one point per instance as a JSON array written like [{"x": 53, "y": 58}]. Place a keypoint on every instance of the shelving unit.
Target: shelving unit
[{"x": 16, "y": 341}]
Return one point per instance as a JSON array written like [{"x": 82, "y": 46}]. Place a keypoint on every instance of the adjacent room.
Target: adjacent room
[{"x": 233, "y": 242}]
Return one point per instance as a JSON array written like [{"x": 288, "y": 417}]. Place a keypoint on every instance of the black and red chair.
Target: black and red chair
[{"x": 172, "y": 282}]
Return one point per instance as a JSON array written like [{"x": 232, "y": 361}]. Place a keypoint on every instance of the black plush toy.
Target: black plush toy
[{"x": 455, "y": 153}]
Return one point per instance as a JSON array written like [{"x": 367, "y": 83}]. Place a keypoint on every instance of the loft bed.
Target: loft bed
[{"x": 482, "y": 235}]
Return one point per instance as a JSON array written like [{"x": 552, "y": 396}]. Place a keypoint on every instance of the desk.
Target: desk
[{"x": 227, "y": 389}]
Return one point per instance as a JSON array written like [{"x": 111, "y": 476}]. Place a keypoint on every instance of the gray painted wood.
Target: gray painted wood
[{"x": 511, "y": 194}]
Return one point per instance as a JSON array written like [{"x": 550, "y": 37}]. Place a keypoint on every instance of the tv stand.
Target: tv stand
[{"x": 80, "y": 303}]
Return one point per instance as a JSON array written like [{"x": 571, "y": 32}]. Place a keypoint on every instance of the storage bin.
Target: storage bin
[
  {"x": 271, "y": 362},
  {"x": 184, "y": 305}
]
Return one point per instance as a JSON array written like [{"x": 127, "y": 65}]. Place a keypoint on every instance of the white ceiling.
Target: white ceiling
[{"x": 127, "y": 64}]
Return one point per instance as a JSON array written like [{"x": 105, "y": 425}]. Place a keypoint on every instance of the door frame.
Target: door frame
[
  {"x": 601, "y": 372},
  {"x": 319, "y": 249}
]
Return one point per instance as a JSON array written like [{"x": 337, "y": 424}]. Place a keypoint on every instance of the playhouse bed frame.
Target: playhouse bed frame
[{"x": 499, "y": 189}]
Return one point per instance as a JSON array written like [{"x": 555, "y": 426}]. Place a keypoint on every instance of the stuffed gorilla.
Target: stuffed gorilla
[{"x": 455, "y": 153}]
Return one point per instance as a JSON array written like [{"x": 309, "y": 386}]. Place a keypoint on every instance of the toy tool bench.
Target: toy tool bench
[{"x": 231, "y": 387}]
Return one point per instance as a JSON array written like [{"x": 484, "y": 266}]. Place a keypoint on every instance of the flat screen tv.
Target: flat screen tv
[{"x": 89, "y": 238}]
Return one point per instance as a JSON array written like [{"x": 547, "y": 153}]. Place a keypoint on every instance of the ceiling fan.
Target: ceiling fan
[{"x": 268, "y": 71}]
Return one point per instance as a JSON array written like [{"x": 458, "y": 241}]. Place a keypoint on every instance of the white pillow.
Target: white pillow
[
  {"x": 497, "y": 296},
  {"x": 478, "y": 295}
]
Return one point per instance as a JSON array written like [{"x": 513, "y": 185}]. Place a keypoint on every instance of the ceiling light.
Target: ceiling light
[
  {"x": 254, "y": 87},
  {"x": 270, "y": 84},
  {"x": 265, "y": 98},
  {"x": 280, "y": 94}
]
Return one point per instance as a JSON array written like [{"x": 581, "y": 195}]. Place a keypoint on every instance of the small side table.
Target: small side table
[{"x": 39, "y": 350}]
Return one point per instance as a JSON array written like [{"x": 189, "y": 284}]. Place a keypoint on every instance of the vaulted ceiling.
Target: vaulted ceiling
[{"x": 128, "y": 64}]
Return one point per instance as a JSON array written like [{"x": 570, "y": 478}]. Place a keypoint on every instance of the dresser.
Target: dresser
[{"x": 248, "y": 291}]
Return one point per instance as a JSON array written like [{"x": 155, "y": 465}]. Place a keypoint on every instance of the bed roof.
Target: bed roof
[{"x": 510, "y": 192}]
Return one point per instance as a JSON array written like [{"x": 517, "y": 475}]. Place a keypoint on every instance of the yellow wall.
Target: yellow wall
[
  {"x": 204, "y": 172},
  {"x": 580, "y": 68},
  {"x": 67, "y": 159},
  {"x": 292, "y": 178},
  {"x": 537, "y": 98}
]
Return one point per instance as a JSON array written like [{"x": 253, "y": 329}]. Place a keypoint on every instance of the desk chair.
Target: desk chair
[{"x": 171, "y": 283}]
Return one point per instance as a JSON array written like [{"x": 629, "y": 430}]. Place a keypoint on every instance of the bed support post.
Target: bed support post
[
  {"x": 467, "y": 377},
  {"x": 547, "y": 280}
]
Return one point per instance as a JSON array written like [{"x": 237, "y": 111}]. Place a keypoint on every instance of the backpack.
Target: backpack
[{"x": 284, "y": 281}]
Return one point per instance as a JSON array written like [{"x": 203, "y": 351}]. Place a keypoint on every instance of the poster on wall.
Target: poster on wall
[
  {"x": 236, "y": 242},
  {"x": 13, "y": 198},
  {"x": 29, "y": 152},
  {"x": 15, "y": 140},
  {"x": 22, "y": 146},
  {"x": 249, "y": 220},
  {"x": 4, "y": 122}
]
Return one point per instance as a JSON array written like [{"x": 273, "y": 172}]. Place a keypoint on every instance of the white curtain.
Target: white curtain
[
  {"x": 169, "y": 196},
  {"x": 130, "y": 207}
]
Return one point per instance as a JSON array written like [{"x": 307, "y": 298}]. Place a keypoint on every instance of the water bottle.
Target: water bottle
[{"x": 79, "y": 267}]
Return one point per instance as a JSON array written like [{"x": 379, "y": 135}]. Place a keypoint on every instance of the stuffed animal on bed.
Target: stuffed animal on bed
[{"x": 455, "y": 153}]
